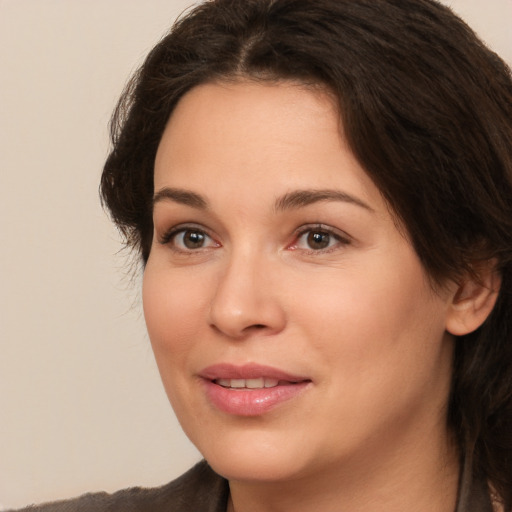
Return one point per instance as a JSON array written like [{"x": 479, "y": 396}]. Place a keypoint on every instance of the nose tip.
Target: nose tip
[
  {"x": 245, "y": 304},
  {"x": 242, "y": 322}
]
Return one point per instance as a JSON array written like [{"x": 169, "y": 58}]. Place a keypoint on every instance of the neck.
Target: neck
[{"x": 406, "y": 477}]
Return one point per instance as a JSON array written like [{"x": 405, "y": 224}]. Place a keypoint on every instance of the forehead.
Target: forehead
[
  {"x": 260, "y": 111},
  {"x": 272, "y": 136}
]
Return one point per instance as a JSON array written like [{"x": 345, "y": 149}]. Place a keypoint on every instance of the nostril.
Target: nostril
[{"x": 255, "y": 327}]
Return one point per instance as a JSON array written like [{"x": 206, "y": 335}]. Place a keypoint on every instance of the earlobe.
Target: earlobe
[{"x": 473, "y": 301}]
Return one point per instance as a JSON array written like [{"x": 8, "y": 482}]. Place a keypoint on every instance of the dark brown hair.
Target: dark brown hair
[{"x": 427, "y": 110}]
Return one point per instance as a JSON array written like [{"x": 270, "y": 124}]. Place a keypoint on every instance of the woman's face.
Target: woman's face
[{"x": 292, "y": 323}]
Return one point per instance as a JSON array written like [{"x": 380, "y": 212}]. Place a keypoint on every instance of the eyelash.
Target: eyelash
[
  {"x": 322, "y": 229},
  {"x": 341, "y": 239},
  {"x": 170, "y": 235}
]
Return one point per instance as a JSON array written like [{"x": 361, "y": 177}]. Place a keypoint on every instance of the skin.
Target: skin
[{"x": 357, "y": 317}]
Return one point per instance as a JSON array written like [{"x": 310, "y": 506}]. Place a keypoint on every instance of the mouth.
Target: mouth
[
  {"x": 249, "y": 375},
  {"x": 250, "y": 390},
  {"x": 260, "y": 383}
]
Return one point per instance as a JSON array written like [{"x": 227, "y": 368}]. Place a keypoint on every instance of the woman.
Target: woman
[{"x": 321, "y": 195}]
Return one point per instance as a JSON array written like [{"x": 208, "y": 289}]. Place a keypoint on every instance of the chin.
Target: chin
[
  {"x": 253, "y": 455},
  {"x": 255, "y": 467}
]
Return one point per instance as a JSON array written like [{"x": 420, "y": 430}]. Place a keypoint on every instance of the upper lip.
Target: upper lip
[{"x": 248, "y": 371}]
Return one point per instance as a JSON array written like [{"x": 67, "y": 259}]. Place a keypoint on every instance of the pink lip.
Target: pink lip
[
  {"x": 250, "y": 402},
  {"x": 248, "y": 371}
]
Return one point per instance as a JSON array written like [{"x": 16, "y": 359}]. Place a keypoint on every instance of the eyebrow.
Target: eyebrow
[
  {"x": 301, "y": 198},
  {"x": 289, "y": 201},
  {"x": 181, "y": 196}
]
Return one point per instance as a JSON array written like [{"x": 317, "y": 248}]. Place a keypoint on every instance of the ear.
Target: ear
[{"x": 473, "y": 300}]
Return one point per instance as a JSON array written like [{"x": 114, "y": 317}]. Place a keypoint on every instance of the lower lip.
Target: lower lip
[{"x": 251, "y": 402}]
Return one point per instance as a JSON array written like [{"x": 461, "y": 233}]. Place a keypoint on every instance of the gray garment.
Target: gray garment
[
  {"x": 198, "y": 490},
  {"x": 202, "y": 490}
]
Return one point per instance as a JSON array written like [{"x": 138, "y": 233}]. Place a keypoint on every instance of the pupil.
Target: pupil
[
  {"x": 193, "y": 239},
  {"x": 318, "y": 240}
]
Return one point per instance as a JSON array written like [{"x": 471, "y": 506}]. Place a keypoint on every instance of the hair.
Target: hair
[{"x": 426, "y": 109}]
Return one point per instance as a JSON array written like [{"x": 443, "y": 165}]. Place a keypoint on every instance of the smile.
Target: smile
[
  {"x": 247, "y": 383},
  {"x": 251, "y": 389}
]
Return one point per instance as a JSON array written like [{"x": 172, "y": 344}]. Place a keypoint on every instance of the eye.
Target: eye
[
  {"x": 187, "y": 239},
  {"x": 319, "y": 238},
  {"x": 191, "y": 239}
]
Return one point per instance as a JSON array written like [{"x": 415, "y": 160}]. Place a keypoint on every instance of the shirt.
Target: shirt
[{"x": 202, "y": 490}]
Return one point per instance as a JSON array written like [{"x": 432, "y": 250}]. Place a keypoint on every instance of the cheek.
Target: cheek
[
  {"x": 374, "y": 320},
  {"x": 172, "y": 304},
  {"x": 379, "y": 336}
]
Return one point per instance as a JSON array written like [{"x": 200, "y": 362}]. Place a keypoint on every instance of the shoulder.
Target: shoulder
[{"x": 198, "y": 490}]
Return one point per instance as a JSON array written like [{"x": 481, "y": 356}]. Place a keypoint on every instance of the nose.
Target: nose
[{"x": 246, "y": 299}]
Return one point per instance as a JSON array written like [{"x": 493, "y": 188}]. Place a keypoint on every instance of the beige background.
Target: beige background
[{"x": 81, "y": 406}]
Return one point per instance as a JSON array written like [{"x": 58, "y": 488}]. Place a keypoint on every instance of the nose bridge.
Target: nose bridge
[{"x": 246, "y": 298}]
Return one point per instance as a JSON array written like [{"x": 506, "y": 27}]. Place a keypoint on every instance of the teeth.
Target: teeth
[
  {"x": 254, "y": 383},
  {"x": 237, "y": 383},
  {"x": 247, "y": 383}
]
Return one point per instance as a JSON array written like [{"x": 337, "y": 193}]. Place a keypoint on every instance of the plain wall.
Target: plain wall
[{"x": 81, "y": 404}]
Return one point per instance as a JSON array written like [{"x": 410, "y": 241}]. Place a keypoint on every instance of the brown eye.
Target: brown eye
[
  {"x": 188, "y": 239},
  {"x": 318, "y": 240},
  {"x": 192, "y": 239}
]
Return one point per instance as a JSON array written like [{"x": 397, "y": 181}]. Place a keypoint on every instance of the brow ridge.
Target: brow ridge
[
  {"x": 302, "y": 198},
  {"x": 181, "y": 196}
]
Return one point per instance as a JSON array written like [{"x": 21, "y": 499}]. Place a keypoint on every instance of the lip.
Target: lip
[
  {"x": 250, "y": 402},
  {"x": 248, "y": 371}
]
